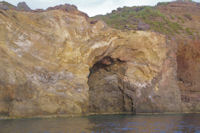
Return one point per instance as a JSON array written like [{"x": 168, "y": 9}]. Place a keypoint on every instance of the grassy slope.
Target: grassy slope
[{"x": 157, "y": 18}]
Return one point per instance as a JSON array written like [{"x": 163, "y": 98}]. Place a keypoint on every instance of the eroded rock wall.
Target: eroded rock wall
[
  {"x": 58, "y": 62},
  {"x": 188, "y": 56},
  {"x": 109, "y": 92}
]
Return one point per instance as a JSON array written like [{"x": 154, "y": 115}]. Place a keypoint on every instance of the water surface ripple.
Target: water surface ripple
[{"x": 187, "y": 123}]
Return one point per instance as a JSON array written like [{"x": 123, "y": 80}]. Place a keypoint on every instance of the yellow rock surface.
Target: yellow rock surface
[{"x": 46, "y": 58}]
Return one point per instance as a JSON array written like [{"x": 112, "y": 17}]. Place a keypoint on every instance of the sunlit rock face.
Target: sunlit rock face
[{"x": 57, "y": 62}]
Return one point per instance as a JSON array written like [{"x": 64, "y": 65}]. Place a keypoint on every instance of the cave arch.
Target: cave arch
[{"x": 108, "y": 89}]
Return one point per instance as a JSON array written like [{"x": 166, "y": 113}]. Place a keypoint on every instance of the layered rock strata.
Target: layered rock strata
[{"x": 58, "y": 62}]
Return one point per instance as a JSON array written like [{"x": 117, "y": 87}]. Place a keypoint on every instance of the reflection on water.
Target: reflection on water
[{"x": 189, "y": 123}]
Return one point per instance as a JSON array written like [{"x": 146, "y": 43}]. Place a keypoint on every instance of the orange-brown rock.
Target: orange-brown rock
[
  {"x": 188, "y": 63},
  {"x": 188, "y": 58}
]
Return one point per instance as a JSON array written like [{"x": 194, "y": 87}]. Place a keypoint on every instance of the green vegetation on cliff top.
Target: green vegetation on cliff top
[{"x": 147, "y": 18}]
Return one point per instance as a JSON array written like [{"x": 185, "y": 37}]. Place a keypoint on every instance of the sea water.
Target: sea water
[{"x": 185, "y": 123}]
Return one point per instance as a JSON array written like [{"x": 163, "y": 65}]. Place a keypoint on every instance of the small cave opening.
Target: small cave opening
[{"x": 109, "y": 91}]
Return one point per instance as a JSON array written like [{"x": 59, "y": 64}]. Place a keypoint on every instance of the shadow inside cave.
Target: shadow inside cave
[{"x": 109, "y": 92}]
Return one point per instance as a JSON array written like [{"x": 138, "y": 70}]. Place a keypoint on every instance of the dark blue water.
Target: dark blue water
[{"x": 189, "y": 123}]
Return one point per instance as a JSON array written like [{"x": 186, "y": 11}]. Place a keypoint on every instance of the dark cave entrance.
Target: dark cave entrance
[{"x": 108, "y": 91}]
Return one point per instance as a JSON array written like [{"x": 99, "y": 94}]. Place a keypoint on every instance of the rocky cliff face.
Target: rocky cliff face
[
  {"x": 187, "y": 15},
  {"x": 58, "y": 62},
  {"x": 188, "y": 74},
  {"x": 180, "y": 22}
]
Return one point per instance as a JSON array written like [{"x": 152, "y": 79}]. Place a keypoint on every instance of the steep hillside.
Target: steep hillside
[{"x": 172, "y": 19}]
